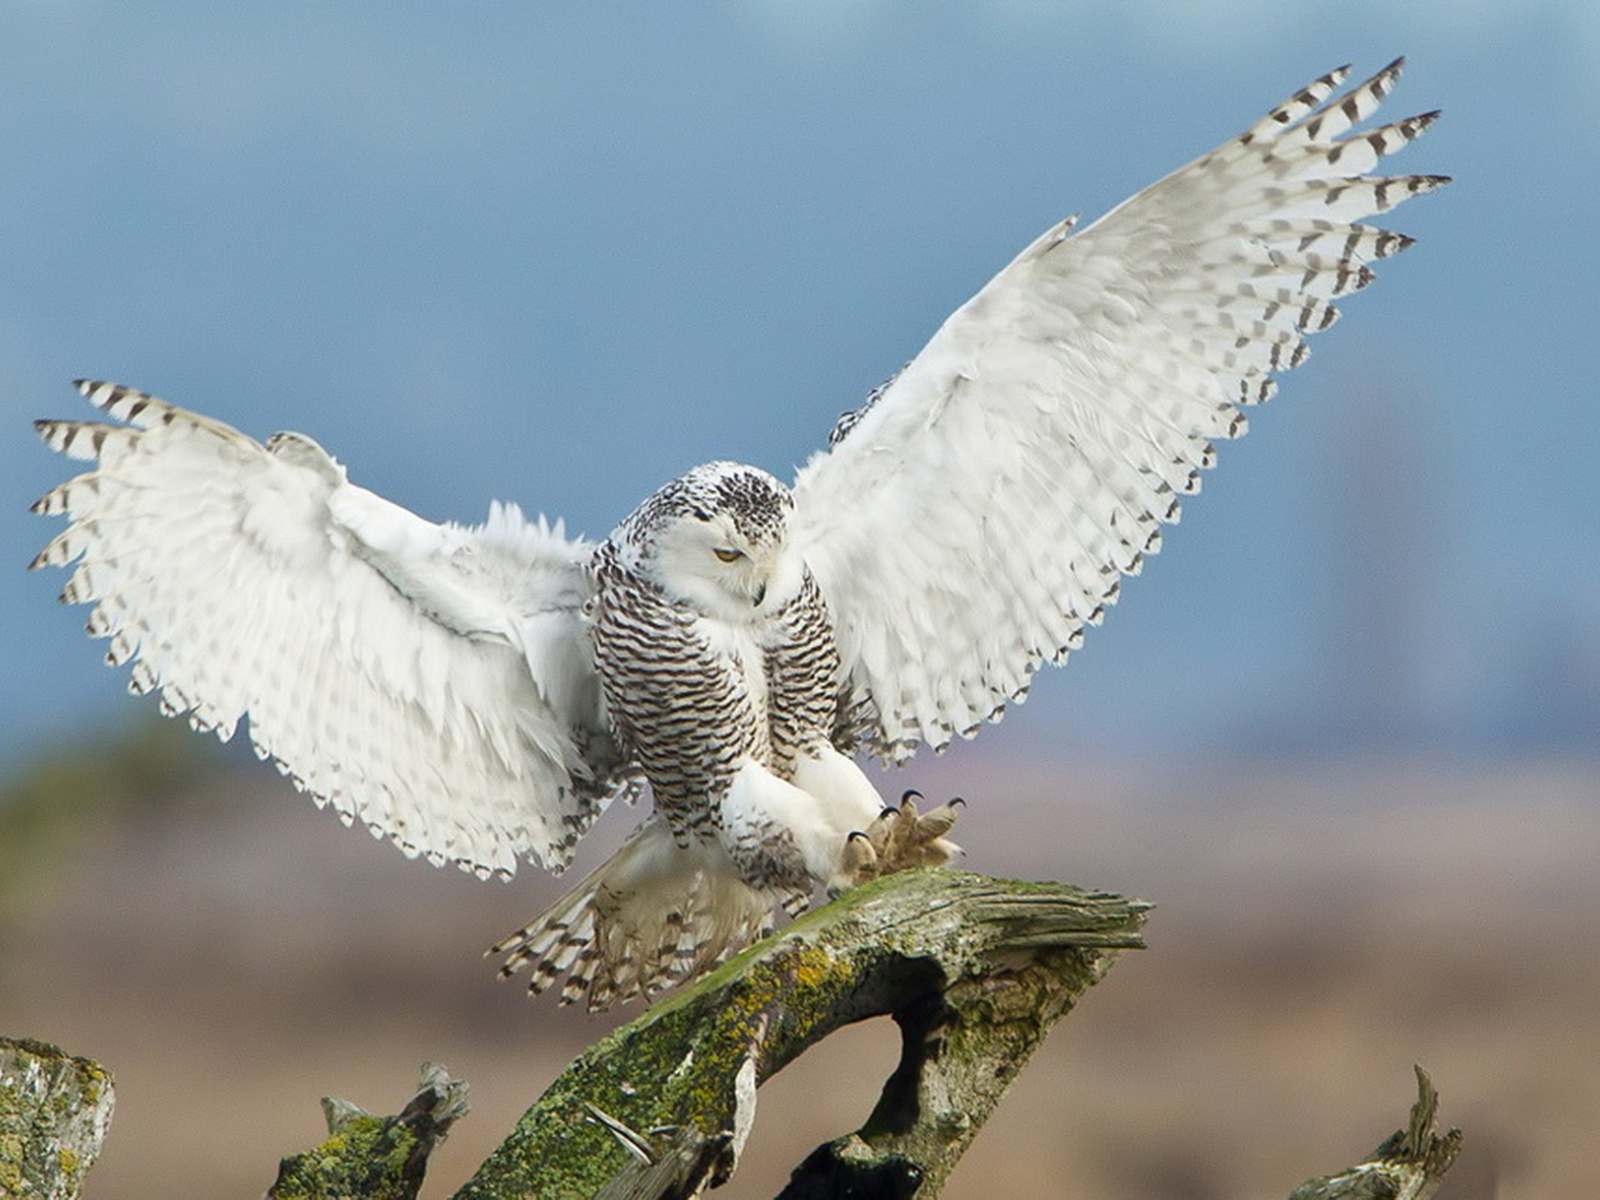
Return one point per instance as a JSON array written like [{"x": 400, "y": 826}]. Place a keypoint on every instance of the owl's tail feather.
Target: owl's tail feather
[{"x": 653, "y": 914}]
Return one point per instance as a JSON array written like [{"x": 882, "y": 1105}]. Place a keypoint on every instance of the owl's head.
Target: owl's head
[{"x": 717, "y": 540}]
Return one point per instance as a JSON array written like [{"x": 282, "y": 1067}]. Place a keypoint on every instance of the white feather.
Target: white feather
[
  {"x": 425, "y": 678},
  {"x": 983, "y": 508}
]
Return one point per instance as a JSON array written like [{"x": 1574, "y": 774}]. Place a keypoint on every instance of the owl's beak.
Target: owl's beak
[{"x": 761, "y": 594}]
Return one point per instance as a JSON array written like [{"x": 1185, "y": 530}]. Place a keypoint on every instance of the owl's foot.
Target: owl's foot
[{"x": 901, "y": 838}]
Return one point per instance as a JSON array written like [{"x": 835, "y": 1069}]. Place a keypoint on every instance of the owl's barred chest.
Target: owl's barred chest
[
  {"x": 691, "y": 695},
  {"x": 745, "y": 651}
]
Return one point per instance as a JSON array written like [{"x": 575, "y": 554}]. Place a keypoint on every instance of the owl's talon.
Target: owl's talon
[
  {"x": 897, "y": 834},
  {"x": 878, "y": 832},
  {"x": 901, "y": 838},
  {"x": 859, "y": 863},
  {"x": 934, "y": 824}
]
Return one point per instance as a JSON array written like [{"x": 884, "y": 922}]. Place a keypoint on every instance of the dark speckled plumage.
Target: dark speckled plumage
[
  {"x": 681, "y": 703},
  {"x": 758, "y": 503}
]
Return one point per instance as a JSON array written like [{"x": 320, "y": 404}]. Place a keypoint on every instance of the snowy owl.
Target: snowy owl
[{"x": 478, "y": 695}]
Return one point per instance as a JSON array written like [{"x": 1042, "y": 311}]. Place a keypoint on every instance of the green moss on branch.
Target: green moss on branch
[{"x": 661, "y": 1107}]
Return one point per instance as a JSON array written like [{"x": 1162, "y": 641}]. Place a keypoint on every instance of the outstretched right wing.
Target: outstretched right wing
[
  {"x": 433, "y": 680},
  {"x": 982, "y": 509}
]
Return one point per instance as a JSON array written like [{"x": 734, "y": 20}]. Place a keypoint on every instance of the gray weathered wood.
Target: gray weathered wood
[
  {"x": 1409, "y": 1165},
  {"x": 54, "y": 1113},
  {"x": 974, "y": 970}
]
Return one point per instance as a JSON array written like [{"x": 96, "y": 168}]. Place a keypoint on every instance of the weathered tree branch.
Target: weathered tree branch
[
  {"x": 975, "y": 971},
  {"x": 54, "y": 1113},
  {"x": 1409, "y": 1165},
  {"x": 375, "y": 1158}
]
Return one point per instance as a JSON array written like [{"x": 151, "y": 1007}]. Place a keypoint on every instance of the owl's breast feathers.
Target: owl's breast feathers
[
  {"x": 692, "y": 696},
  {"x": 804, "y": 676}
]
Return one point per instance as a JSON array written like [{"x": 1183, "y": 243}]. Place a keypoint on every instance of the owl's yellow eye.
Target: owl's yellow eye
[{"x": 728, "y": 555}]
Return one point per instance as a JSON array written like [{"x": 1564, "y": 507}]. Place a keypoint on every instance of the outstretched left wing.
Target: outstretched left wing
[
  {"x": 433, "y": 680},
  {"x": 981, "y": 510}
]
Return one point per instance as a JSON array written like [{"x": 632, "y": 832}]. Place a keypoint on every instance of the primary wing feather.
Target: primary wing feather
[
  {"x": 432, "y": 680},
  {"x": 982, "y": 508}
]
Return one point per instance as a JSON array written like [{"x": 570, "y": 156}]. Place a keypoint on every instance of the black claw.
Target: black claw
[
  {"x": 891, "y": 809},
  {"x": 910, "y": 794},
  {"x": 854, "y": 834},
  {"x": 955, "y": 800}
]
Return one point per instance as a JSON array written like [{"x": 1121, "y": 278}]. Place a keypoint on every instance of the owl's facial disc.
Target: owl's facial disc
[
  {"x": 716, "y": 539},
  {"x": 728, "y": 558},
  {"x": 704, "y": 559}
]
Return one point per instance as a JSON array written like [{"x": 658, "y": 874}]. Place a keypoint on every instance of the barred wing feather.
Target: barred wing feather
[
  {"x": 432, "y": 680},
  {"x": 981, "y": 510}
]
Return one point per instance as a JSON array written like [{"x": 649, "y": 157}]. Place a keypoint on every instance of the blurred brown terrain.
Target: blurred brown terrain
[{"x": 233, "y": 955}]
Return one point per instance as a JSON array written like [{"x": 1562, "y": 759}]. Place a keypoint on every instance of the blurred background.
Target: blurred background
[{"x": 1343, "y": 732}]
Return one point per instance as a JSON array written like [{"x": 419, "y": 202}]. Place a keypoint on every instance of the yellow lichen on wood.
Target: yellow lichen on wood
[{"x": 54, "y": 1113}]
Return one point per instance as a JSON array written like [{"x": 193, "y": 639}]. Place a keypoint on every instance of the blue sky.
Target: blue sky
[{"x": 558, "y": 254}]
